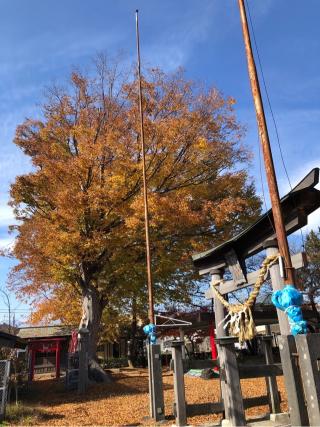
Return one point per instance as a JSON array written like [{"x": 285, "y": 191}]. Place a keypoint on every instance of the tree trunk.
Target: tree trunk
[
  {"x": 91, "y": 319},
  {"x": 132, "y": 349}
]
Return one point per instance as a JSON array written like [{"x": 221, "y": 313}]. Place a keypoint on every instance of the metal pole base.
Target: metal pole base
[
  {"x": 178, "y": 376},
  {"x": 308, "y": 347},
  {"x": 155, "y": 382},
  {"x": 292, "y": 378}
]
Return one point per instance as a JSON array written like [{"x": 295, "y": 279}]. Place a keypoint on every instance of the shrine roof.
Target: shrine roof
[{"x": 46, "y": 331}]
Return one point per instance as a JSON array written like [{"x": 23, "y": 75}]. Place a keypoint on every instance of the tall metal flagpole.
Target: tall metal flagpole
[
  {"x": 156, "y": 399},
  {"x": 266, "y": 148},
  {"x": 145, "y": 190}
]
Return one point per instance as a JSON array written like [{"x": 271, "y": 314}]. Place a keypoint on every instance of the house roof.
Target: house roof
[
  {"x": 46, "y": 331},
  {"x": 9, "y": 329},
  {"x": 11, "y": 341}
]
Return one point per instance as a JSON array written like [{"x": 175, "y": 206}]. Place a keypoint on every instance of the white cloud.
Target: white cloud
[
  {"x": 178, "y": 41},
  {"x": 7, "y": 243},
  {"x": 6, "y": 216},
  {"x": 297, "y": 174},
  {"x": 313, "y": 222},
  {"x": 67, "y": 46},
  {"x": 12, "y": 161},
  {"x": 299, "y": 132}
]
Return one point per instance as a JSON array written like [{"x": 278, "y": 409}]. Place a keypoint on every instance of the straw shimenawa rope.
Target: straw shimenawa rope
[{"x": 240, "y": 321}]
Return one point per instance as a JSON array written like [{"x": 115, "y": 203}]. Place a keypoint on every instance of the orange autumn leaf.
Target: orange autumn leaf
[{"x": 81, "y": 208}]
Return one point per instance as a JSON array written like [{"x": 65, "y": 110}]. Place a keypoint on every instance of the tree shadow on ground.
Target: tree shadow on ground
[{"x": 52, "y": 392}]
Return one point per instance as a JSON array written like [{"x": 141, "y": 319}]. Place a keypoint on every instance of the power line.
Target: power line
[
  {"x": 262, "y": 188},
  {"x": 267, "y": 95},
  {"x": 3, "y": 310}
]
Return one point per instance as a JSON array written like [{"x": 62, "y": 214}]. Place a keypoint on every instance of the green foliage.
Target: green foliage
[
  {"x": 309, "y": 277},
  {"x": 22, "y": 414},
  {"x": 120, "y": 362}
]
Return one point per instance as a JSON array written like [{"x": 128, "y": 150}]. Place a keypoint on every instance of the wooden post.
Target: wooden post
[
  {"x": 150, "y": 381},
  {"x": 178, "y": 375},
  {"x": 308, "y": 347},
  {"x": 229, "y": 373},
  {"x": 83, "y": 337},
  {"x": 271, "y": 382},
  {"x": 219, "y": 310},
  {"x": 155, "y": 382},
  {"x": 33, "y": 360},
  {"x": 58, "y": 359},
  {"x": 219, "y": 315},
  {"x": 271, "y": 247},
  {"x": 183, "y": 349},
  {"x": 292, "y": 378}
]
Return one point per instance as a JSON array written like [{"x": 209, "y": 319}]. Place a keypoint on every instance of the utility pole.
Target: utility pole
[
  {"x": 287, "y": 345},
  {"x": 266, "y": 149},
  {"x": 145, "y": 190},
  {"x": 8, "y": 304}
]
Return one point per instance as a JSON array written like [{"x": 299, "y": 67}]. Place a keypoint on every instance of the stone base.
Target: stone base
[
  {"x": 152, "y": 422},
  {"x": 276, "y": 420},
  {"x": 226, "y": 423},
  {"x": 281, "y": 418}
]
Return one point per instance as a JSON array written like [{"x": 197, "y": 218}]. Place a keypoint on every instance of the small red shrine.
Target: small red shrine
[{"x": 48, "y": 347}]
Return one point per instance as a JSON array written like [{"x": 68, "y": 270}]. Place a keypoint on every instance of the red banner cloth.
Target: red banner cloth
[{"x": 213, "y": 343}]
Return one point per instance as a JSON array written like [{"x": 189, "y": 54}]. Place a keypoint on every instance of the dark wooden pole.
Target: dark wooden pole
[
  {"x": 58, "y": 355},
  {"x": 178, "y": 381},
  {"x": 33, "y": 362},
  {"x": 145, "y": 191},
  {"x": 266, "y": 148}
]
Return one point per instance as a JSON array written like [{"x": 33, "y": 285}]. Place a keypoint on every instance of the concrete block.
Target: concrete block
[{"x": 281, "y": 418}]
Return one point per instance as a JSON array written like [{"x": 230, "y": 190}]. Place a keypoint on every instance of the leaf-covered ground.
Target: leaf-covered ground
[{"x": 125, "y": 402}]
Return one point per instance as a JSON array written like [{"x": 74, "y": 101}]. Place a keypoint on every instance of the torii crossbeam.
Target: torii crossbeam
[{"x": 300, "y": 202}]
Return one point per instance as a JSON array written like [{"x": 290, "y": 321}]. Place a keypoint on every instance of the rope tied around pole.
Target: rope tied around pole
[{"x": 239, "y": 318}]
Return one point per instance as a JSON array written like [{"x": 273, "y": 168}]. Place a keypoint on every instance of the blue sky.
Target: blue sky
[{"x": 40, "y": 42}]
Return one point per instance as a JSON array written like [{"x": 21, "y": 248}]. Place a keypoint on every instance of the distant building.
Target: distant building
[{"x": 9, "y": 329}]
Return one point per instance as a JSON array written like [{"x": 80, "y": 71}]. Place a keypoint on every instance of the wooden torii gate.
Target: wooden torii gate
[{"x": 300, "y": 202}]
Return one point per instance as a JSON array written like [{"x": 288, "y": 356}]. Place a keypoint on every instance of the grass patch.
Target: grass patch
[{"x": 22, "y": 414}]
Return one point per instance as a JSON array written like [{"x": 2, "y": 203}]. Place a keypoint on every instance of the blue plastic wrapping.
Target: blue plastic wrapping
[
  {"x": 289, "y": 300},
  {"x": 150, "y": 330}
]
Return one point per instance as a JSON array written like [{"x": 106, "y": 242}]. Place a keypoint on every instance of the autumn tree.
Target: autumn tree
[
  {"x": 81, "y": 229},
  {"x": 309, "y": 276}
]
